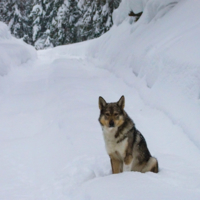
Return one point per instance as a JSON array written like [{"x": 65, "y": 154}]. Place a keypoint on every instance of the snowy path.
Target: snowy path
[{"x": 51, "y": 145}]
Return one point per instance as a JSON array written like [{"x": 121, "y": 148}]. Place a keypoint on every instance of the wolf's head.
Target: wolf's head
[{"x": 112, "y": 114}]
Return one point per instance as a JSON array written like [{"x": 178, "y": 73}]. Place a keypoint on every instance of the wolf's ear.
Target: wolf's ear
[
  {"x": 102, "y": 103},
  {"x": 121, "y": 102}
]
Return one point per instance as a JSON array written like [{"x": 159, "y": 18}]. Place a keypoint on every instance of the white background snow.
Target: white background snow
[{"x": 51, "y": 145}]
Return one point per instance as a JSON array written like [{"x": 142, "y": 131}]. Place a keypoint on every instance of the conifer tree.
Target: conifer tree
[
  {"x": 72, "y": 16},
  {"x": 7, "y": 10},
  {"x": 17, "y": 24},
  {"x": 36, "y": 16},
  {"x": 88, "y": 21},
  {"x": 28, "y": 28},
  {"x": 56, "y": 23},
  {"x": 97, "y": 19},
  {"x": 48, "y": 23}
]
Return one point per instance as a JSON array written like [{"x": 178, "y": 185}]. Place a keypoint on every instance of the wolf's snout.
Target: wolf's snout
[{"x": 111, "y": 123}]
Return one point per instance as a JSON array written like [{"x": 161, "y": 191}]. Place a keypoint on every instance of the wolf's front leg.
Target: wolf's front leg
[
  {"x": 127, "y": 168},
  {"x": 127, "y": 164},
  {"x": 116, "y": 166}
]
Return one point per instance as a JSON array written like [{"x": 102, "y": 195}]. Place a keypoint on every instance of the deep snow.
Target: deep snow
[
  {"x": 162, "y": 51},
  {"x": 51, "y": 146},
  {"x": 13, "y": 52}
]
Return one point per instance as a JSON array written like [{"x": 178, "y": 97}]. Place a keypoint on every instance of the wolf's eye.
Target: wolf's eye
[
  {"x": 107, "y": 114},
  {"x": 116, "y": 114}
]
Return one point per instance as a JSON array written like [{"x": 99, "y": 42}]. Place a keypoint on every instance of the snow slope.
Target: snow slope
[
  {"x": 13, "y": 52},
  {"x": 160, "y": 57},
  {"x": 51, "y": 146}
]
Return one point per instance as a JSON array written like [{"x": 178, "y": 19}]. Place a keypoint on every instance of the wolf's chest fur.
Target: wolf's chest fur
[{"x": 113, "y": 146}]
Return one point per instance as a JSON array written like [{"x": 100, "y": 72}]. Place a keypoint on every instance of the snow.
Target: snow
[
  {"x": 14, "y": 52},
  {"x": 105, "y": 9},
  {"x": 51, "y": 145},
  {"x": 163, "y": 58},
  {"x": 81, "y": 3},
  {"x": 37, "y": 10},
  {"x": 17, "y": 12},
  {"x": 126, "y": 6},
  {"x": 36, "y": 28}
]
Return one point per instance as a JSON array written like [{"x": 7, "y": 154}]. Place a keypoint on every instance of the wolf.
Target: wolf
[{"x": 125, "y": 145}]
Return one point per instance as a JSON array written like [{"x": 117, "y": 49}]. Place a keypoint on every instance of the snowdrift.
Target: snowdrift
[
  {"x": 13, "y": 52},
  {"x": 158, "y": 55}
]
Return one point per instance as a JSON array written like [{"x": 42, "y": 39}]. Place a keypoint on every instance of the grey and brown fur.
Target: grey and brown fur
[{"x": 125, "y": 145}]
